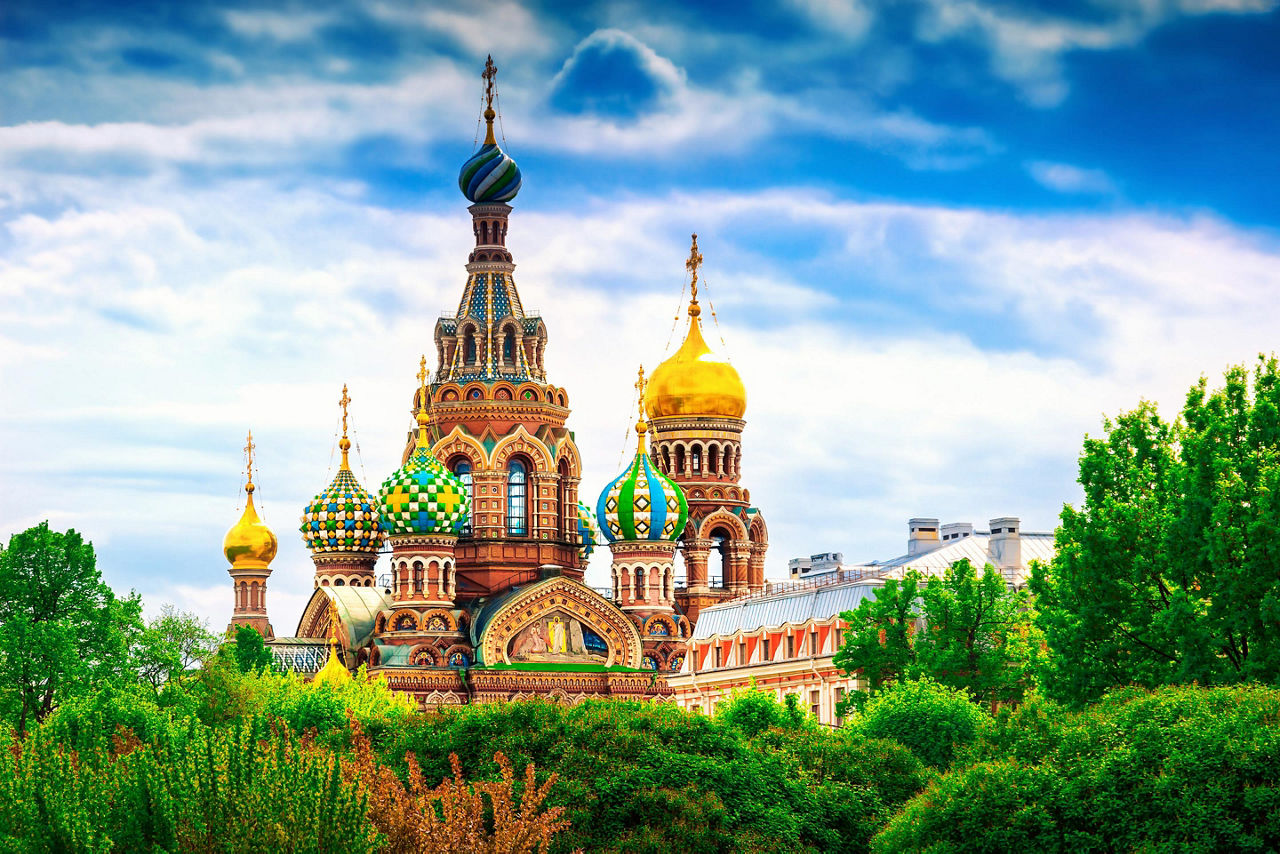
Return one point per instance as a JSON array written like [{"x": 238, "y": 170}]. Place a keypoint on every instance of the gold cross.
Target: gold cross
[
  {"x": 640, "y": 387},
  {"x": 490, "y": 74},
  {"x": 248, "y": 455},
  {"x": 346, "y": 399},
  {"x": 692, "y": 265}
]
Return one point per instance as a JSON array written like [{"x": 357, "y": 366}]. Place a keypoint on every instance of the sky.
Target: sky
[{"x": 943, "y": 239}]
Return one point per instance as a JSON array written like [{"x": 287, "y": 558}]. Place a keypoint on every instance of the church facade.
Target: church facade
[{"x": 482, "y": 532}]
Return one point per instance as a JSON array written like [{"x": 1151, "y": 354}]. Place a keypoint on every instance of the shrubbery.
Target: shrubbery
[{"x": 931, "y": 720}]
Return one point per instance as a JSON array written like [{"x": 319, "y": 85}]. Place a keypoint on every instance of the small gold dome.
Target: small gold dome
[
  {"x": 695, "y": 381},
  {"x": 249, "y": 544}
]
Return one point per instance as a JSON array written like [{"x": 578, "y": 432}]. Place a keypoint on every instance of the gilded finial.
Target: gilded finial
[
  {"x": 248, "y": 464},
  {"x": 344, "y": 444},
  {"x": 490, "y": 75},
  {"x": 422, "y": 417},
  {"x": 692, "y": 265},
  {"x": 642, "y": 426}
]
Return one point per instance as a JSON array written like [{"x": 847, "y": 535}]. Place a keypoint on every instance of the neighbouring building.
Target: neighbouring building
[{"x": 785, "y": 636}]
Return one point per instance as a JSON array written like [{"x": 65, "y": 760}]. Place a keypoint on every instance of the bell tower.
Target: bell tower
[
  {"x": 496, "y": 420},
  {"x": 695, "y": 402}
]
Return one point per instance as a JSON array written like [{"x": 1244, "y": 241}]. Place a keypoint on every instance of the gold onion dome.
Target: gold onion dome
[
  {"x": 695, "y": 380},
  {"x": 249, "y": 544}
]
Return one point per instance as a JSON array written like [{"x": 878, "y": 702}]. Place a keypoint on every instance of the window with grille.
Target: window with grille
[{"x": 517, "y": 500}]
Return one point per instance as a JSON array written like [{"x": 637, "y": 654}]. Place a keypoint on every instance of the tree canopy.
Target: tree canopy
[
  {"x": 1170, "y": 570},
  {"x": 964, "y": 630},
  {"x": 61, "y": 627}
]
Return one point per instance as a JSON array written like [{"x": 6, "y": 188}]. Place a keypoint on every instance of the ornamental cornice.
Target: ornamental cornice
[
  {"x": 515, "y": 410},
  {"x": 639, "y": 549},
  {"x": 344, "y": 559},
  {"x": 697, "y": 422},
  {"x": 474, "y": 267},
  {"x": 404, "y": 542}
]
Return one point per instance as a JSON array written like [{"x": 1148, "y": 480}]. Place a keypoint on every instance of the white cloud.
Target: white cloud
[
  {"x": 1027, "y": 49},
  {"x": 1066, "y": 178},
  {"x": 847, "y": 18},
  {"x": 930, "y": 360},
  {"x": 281, "y": 26}
]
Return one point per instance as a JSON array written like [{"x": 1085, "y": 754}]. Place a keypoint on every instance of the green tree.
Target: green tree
[
  {"x": 62, "y": 630},
  {"x": 931, "y": 720},
  {"x": 172, "y": 644},
  {"x": 1167, "y": 573},
  {"x": 878, "y": 640},
  {"x": 978, "y": 634},
  {"x": 250, "y": 653},
  {"x": 974, "y": 633}
]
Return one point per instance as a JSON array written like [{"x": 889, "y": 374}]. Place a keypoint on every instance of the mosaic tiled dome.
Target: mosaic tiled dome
[
  {"x": 642, "y": 504},
  {"x": 587, "y": 529},
  {"x": 343, "y": 518},
  {"x": 423, "y": 497},
  {"x": 490, "y": 175}
]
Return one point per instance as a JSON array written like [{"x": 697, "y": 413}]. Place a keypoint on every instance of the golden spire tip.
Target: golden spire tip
[
  {"x": 692, "y": 265},
  {"x": 642, "y": 426},
  {"x": 344, "y": 444},
  {"x": 248, "y": 464},
  {"x": 490, "y": 75}
]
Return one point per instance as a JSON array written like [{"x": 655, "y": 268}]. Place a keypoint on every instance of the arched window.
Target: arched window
[
  {"x": 717, "y": 559},
  {"x": 469, "y": 347},
  {"x": 509, "y": 347},
  {"x": 517, "y": 501},
  {"x": 462, "y": 468},
  {"x": 696, "y": 457},
  {"x": 563, "y": 510}
]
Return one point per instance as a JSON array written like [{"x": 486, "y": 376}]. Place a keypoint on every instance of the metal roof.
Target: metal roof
[
  {"x": 795, "y": 608},
  {"x": 976, "y": 547}
]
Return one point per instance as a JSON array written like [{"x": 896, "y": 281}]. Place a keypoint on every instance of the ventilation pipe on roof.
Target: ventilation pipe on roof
[
  {"x": 922, "y": 536},
  {"x": 1006, "y": 545},
  {"x": 953, "y": 531}
]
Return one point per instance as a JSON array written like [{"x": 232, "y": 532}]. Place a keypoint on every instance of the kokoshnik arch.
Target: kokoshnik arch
[{"x": 486, "y": 536}]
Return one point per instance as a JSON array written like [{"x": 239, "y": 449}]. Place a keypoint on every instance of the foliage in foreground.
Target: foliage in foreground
[{"x": 1178, "y": 768}]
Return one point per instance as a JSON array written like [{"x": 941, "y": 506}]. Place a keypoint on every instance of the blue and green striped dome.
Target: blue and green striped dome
[
  {"x": 642, "y": 504},
  {"x": 489, "y": 176},
  {"x": 343, "y": 518},
  {"x": 423, "y": 497},
  {"x": 587, "y": 528}
]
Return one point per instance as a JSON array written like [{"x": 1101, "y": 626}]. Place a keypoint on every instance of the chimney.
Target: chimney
[
  {"x": 922, "y": 536},
  {"x": 1006, "y": 546},
  {"x": 953, "y": 531}
]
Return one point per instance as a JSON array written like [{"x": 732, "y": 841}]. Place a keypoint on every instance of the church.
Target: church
[{"x": 485, "y": 533}]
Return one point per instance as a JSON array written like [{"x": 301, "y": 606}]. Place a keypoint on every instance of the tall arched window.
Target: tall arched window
[
  {"x": 517, "y": 500},
  {"x": 469, "y": 347},
  {"x": 461, "y": 466},
  {"x": 697, "y": 459},
  {"x": 509, "y": 347},
  {"x": 718, "y": 559}
]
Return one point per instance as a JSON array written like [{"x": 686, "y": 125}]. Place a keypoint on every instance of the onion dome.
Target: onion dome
[
  {"x": 587, "y": 529},
  {"x": 334, "y": 671},
  {"x": 642, "y": 503},
  {"x": 695, "y": 380},
  {"x": 490, "y": 175},
  {"x": 422, "y": 496},
  {"x": 343, "y": 518},
  {"x": 249, "y": 544}
]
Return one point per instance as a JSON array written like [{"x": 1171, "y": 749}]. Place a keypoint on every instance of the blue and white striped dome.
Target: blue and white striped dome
[{"x": 489, "y": 176}]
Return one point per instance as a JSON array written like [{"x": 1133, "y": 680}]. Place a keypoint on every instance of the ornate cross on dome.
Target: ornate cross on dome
[
  {"x": 692, "y": 265},
  {"x": 422, "y": 417},
  {"x": 344, "y": 444},
  {"x": 490, "y": 76},
  {"x": 640, "y": 386},
  {"x": 248, "y": 464}
]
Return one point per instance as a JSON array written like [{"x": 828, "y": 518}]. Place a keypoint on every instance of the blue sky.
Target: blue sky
[{"x": 942, "y": 238}]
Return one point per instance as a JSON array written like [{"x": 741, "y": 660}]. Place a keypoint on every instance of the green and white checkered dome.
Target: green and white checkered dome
[
  {"x": 642, "y": 504},
  {"x": 423, "y": 497},
  {"x": 587, "y": 528},
  {"x": 343, "y": 518}
]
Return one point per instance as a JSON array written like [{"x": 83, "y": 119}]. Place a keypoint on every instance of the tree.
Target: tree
[
  {"x": 1167, "y": 573},
  {"x": 931, "y": 720},
  {"x": 978, "y": 634},
  {"x": 173, "y": 643},
  {"x": 62, "y": 630},
  {"x": 974, "y": 633},
  {"x": 878, "y": 639},
  {"x": 250, "y": 653}
]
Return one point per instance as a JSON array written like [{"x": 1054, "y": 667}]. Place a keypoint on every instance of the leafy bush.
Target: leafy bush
[
  {"x": 1177, "y": 768},
  {"x": 931, "y": 720},
  {"x": 751, "y": 711},
  {"x": 998, "y": 806}
]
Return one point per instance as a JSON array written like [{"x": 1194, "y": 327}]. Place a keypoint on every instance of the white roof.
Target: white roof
[
  {"x": 795, "y": 608},
  {"x": 976, "y": 547}
]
